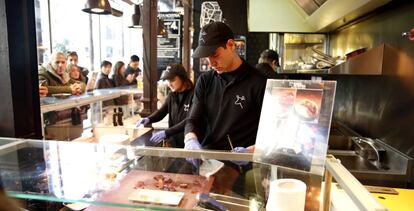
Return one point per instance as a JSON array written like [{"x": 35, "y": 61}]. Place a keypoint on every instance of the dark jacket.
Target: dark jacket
[
  {"x": 267, "y": 71},
  {"x": 56, "y": 84},
  {"x": 84, "y": 73},
  {"x": 231, "y": 109},
  {"x": 118, "y": 81},
  {"x": 178, "y": 108},
  {"x": 103, "y": 82},
  {"x": 136, "y": 72}
]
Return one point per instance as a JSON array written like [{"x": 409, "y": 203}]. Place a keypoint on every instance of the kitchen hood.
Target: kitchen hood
[{"x": 306, "y": 15}]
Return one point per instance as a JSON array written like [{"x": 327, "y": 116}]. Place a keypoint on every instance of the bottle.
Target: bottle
[
  {"x": 140, "y": 84},
  {"x": 114, "y": 117},
  {"x": 119, "y": 116}
]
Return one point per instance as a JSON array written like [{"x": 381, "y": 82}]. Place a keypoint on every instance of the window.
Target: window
[{"x": 63, "y": 26}]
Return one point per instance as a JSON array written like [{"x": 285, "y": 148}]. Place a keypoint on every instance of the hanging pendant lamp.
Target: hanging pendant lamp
[
  {"x": 136, "y": 17},
  {"x": 100, "y": 7}
]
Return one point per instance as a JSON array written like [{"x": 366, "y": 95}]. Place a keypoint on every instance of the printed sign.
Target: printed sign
[{"x": 294, "y": 124}]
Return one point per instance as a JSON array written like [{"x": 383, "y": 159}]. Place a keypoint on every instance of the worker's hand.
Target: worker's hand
[
  {"x": 240, "y": 150},
  {"x": 158, "y": 137},
  {"x": 142, "y": 121},
  {"x": 193, "y": 144},
  {"x": 43, "y": 90}
]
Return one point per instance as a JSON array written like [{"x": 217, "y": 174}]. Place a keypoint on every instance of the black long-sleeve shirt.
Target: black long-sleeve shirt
[
  {"x": 177, "y": 105},
  {"x": 227, "y": 105}
]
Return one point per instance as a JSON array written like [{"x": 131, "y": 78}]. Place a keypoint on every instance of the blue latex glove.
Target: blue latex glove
[
  {"x": 158, "y": 137},
  {"x": 142, "y": 121},
  {"x": 192, "y": 144},
  {"x": 240, "y": 150}
]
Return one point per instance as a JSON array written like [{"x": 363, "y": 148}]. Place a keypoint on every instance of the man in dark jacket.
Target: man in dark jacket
[
  {"x": 229, "y": 98},
  {"x": 103, "y": 81},
  {"x": 268, "y": 64},
  {"x": 133, "y": 68},
  {"x": 55, "y": 77}
]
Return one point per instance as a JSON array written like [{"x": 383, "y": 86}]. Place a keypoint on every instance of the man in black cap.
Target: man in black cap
[
  {"x": 227, "y": 100},
  {"x": 268, "y": 64}
]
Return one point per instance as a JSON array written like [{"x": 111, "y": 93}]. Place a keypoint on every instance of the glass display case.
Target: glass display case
[{"x": 106, "y": 176}]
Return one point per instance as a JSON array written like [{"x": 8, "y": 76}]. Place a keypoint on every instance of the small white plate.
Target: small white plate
[{"x": 156, "y": 196}]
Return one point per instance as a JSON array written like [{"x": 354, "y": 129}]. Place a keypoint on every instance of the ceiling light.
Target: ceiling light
[
  {"x": 136, "y": 17},
  {"x": 100, "y": 7}
]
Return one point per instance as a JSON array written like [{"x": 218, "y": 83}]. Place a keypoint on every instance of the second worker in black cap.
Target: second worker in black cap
[
  {"x": 177, "y": 105},
  {"x": 228, "y": 99}
]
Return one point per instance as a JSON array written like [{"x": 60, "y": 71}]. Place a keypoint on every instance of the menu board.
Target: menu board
[{"x": 294, "y": 124}]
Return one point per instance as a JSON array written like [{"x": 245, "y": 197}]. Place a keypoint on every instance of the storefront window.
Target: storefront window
[{"x": 63, "y": 26}]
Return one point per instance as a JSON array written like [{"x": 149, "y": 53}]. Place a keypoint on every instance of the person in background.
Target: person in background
[
  {"x": 78, "y": 113},
  {"x": 229, "y": 97},
  {"x": 55, "y": 77},
  {"x": 177, "y": 105},
  {"x": 118, "y": 75},
  {"x": 118, "y": 78},
  {"x": 73, "y": 59},
  {"x": 103, "y": 81},
  {"x": 57, "y": 80},
  {"x": 75, "y": 73},
  {"x": 268, "y": 64},
  {"x": 133, "y": 68}
]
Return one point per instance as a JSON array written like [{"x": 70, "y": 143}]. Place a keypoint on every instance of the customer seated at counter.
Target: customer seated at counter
[
  {"x": 78, "y": 113},
  {"x": 103, "y": 81},
  {"x": 73, "y": 59},
  {"x": 118, "y": 75},
  {"x": 56, "y": 78},
  {"x": 75, "y": 74},
  {"x": 229, "y": 97},
  {"x": 119, "y": 79},
  {"x": 177, "y": 105},
  {"x": 133, "y": 68}
]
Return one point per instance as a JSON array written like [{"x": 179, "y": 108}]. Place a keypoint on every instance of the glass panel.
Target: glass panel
[{"x": 117, "y": 175}]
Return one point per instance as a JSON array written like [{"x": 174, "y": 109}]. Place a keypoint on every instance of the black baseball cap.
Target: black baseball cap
[
  {"x": 174, "y": 70},
  {"x": 212, "y": 36}
]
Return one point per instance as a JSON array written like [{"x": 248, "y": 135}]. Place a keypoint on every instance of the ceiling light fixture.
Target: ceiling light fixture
[
  {"x": 136, "y": 17},
  {"x": 100, "y": 7}
]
